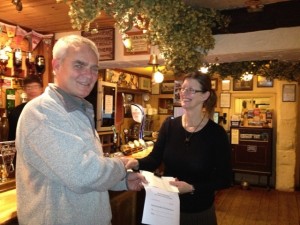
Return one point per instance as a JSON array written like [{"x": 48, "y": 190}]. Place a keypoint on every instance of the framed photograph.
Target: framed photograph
[
  {"x": 139, "y": 44},
  {"x": 264, "y": 82},
  {"x": 105, "y": 42},
  {"x": 225, "y": 85},
  {"x": 165, "y": 106},
  {"x": 145, "y": 83},
  {"x": 167, "y": 87},
  {"x": 155, "y": 89},
  {"x": 214, "y": 84},
  {"x": 177, "y": 86},
  {"x": 289, "y": 93},
  {"x": 225, "y": 100},
  {"x": 242, "y": 85}
]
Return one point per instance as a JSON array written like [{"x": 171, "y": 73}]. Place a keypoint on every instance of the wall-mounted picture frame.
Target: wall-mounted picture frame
[
  {"x": 225, "y": 85},
  {"x": 242, "y": 85},
  {"x": 165, "y": 106},
  {"x": 225, "y": 100},
  {"x": 139, "y": 44},
  {"x": 145, "y": 83},
  {"x": 177, "y": 86},
  {"x": 105, "y": 42},
  {"x": 264, "y": 81},
  {"x": 289, "y": 92},
  {"x": 214, "y": 84},
  {"x": 167, "y": 87}
]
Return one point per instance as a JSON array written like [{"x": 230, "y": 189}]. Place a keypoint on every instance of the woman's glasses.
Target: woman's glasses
[{"x": 190, "y": 90}]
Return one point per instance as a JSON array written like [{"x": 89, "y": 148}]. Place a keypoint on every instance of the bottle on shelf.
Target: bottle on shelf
[
  {"x": 10, "y": 99},
  {"x": 244, "y": 114},
  {"x": 4, "y": 128},
  {"x": 17, "y": 62},
  {"x": 30, "y": 64}
]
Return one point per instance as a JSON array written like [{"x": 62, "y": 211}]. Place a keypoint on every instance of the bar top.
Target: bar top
[{"x": 8, "y": 205}]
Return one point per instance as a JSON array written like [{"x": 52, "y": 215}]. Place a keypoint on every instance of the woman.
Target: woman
[{"x": 193, "y": 149}]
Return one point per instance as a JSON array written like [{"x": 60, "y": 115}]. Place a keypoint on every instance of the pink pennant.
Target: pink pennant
[
  {"x": 36, "y": 39},
  {"x": 20, "y": 34}
]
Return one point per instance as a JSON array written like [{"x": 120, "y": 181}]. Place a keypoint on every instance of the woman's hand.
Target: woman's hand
[
  {"x": 135, "y": 181},
  {"x": 182, "y": 186}
]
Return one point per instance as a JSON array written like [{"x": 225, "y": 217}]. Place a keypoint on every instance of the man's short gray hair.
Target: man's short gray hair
[{"x": 64, "y": 43}]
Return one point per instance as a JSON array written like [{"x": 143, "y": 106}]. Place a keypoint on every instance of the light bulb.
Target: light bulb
[
  {"x": 247, "y": 76},
  {"x": 158, "y": 77},
  {"x": 204, "y": 69}
]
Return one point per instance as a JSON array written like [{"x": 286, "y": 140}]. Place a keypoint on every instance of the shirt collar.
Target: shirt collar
[{"x": 70, "y": 102}]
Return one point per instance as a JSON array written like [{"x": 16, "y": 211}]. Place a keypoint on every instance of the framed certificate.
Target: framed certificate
[
  {"x": 289, "y": 93},
  {"x": 225, "y": 100}
]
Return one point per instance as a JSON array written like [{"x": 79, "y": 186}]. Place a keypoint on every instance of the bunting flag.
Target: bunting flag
[
  {"x": 10, "y": 30},
  {"x": 20, "y": 34},
  {"x": 35, "y": 39},
  {"x": 16, "y": 34}
]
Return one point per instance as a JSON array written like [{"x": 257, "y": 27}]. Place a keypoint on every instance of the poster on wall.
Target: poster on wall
[
  {"x": 105, "y": 42},
  {"x": 139, "y": 44}
]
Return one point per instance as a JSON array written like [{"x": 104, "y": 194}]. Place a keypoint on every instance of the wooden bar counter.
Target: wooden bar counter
[{"x": 8, "y": 206}]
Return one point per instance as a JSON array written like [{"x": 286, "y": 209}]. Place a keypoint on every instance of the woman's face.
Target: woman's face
[{"x": 191, "y": 95}]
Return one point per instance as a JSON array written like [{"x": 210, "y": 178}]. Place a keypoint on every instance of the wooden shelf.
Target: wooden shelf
[
  {"x": 132, "y": 91},
  {"x": 106, "y": 139}
]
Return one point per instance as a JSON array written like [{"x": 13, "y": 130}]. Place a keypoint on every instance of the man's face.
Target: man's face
[
  {"x": 77, "y": 73},
  {"x": 33, "y": 90}
]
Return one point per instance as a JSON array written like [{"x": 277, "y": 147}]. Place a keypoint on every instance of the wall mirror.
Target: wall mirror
[{"x": 250, "y": 103}]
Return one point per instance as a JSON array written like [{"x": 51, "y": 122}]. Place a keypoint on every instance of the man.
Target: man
[
  {"x": 62, "y": 176},
  {"x": 33, "y": 87}
]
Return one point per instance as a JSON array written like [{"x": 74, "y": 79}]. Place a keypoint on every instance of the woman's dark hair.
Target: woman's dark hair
[
  {"x": 205, "y": 82},
  {"x": 32, "y": 79}
]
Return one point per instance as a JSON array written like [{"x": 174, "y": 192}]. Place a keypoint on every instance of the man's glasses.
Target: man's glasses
[{"x": 190, "y": 90}]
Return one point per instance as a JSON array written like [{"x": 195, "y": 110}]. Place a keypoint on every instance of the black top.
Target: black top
[
  {"x": 13, "y": 118},
  {"x": 204, "y": 162}
]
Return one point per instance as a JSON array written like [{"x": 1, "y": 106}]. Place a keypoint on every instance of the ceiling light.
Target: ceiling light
[
  {"x": 153, "y": 60},
  {"x": 18, "y": 4},
  {"x": 204, "y": 69},
  {"x": 158, "y": 77},
  {"x": 247, "y": 76},
  {"x": 254, "y": 5}
]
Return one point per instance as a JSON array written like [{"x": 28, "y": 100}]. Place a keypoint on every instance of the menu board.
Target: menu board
[
  {"x": 105, "y": 42},
  {"x": 139, "y": 44}
]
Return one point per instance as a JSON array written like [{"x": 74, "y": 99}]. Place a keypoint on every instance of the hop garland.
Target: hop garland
[
  {"x": 274, "y": 69},
  {"x": 182, "y": 34}
]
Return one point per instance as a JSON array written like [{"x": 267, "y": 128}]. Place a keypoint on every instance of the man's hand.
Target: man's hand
[
  {"x": 135, "y": 181},
  {"x": 132, "y": 164}
]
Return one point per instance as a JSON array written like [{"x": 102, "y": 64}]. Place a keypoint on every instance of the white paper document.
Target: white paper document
[
  {"x": 161, "y": 207},
  {"x": 159, "y": 182}
]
